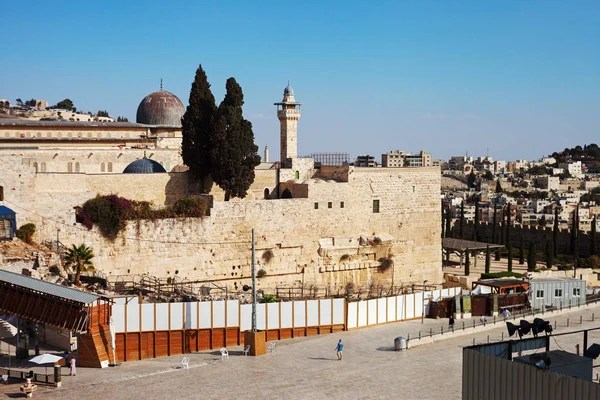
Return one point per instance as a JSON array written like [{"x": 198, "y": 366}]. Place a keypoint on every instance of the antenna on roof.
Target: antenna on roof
[{"x": 160, "y": 83}]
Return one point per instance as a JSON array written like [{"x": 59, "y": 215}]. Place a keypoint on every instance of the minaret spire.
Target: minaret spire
[{"x": 160, "y": 83}]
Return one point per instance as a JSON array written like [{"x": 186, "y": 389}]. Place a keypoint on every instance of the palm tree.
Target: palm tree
[{"x": 79, "y": 258}]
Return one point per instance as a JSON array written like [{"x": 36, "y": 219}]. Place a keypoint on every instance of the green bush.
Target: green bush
[
  {"x": 269, "y": 298},
  {"x": 592, "y": 262},
  {"x": 25, "y": 233},
  {"x": 385, "y": 263},
  {"x": 503, "y": 274},
  {"x": 111, "y": 213},
  {"x": 261, "y": 273},
  {"x": 564, "y": 267}
]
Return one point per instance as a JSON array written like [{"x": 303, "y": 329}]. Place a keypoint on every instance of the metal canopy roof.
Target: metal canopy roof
[
  {"x": 501, "y": 282},
  {"x": 49, "y": 288},
  {"x": 462, "y": 245}
]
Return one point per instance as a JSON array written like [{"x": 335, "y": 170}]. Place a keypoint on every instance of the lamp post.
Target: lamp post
[{"x": 423, "y": 313}]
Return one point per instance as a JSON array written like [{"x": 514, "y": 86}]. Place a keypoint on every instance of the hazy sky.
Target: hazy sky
[{"x": 520, "y": 78}]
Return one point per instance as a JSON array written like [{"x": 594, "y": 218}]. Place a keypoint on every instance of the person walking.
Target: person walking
[
  {"x": 73, "y": 369},
  {"x": 338, "y": 348}
]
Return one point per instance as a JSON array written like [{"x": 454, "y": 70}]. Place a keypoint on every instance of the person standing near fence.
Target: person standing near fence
[
  {"x": 73, "y": 369},
  {"x": 338, "y": 348}
]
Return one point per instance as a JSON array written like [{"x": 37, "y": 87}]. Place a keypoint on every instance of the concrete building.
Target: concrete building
[
  {"x": 365, "y": 161},
  {"x": 546, "y": 182},
  {"x": 574, "y": 168},
  {"x": 399, "y": 159}
]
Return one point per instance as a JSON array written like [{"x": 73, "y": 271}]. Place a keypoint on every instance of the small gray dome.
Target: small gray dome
[
  {"x": 288, "y": 90},
  {"x": 144, "y": 166}
]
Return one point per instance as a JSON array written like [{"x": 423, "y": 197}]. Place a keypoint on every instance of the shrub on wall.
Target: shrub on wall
[
  {"x": 267, "y": 256},
  {"x": 261, "y": 273},
  {"x": 111, "y": 213},
  {"x": 503, "y": 274},
  {"x": 25, "y": 233},
  {"x": 385, "y": 263}
]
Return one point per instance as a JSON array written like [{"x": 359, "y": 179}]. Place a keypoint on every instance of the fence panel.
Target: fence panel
[
  {"x": 382, "y": 310},
  {"x": 162, "y": 316},
  {"x": 400, "y": 308},
  {"x": 133, "y": 317},
  {"x": 409, "y": 299},
  {"x": 300, "y": 313},
  {"x": 352, "y": 315},
  {"x": 246, "y": 317},
  {"x": 118, "y": 314},
  {"x": 339, "y": 311},
  {"x": 205, "y": 315},
  {"x": 261, "y": 316},
  {"x": 273, "y": 314},
  {"x": 148, "y": 317},
  {"x": 286, "y": 314},
  {"x": 233, "y": 313},
  {"x": 312, "y": 316},
  {"x": 218, "y": 314},
  {"x": 325, "y": 312},
  {"x": 176, "y": 316},
  {"x": 391, "y": 309},
  {"x": 191, "y": 315}
]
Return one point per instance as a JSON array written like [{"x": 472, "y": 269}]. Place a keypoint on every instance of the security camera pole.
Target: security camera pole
[{"x": 253, "y": 287}]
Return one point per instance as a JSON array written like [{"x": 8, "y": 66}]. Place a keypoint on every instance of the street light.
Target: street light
[{"x": 423, "y": 313}]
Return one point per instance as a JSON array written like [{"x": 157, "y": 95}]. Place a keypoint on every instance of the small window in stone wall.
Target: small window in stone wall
[
  {"x": 77, "y": 167},
  {"x": 375, "y": 206},
  {"x": 102, "y": 167},
  {"x": 330, "y": 205},
  {"x": 316, "y": 206},
  {"x": 43, "y": 167},
  {"x": 341, "y": 204},
  {"x": 110, "y": 167},
  {"x": 70, "y": 167}
]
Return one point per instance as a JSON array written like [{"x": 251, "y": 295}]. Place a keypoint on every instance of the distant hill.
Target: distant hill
[{"x": 589, "y": 155}]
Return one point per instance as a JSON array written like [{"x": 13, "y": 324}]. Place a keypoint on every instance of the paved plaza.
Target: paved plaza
[{"x": 306, "y": 368}]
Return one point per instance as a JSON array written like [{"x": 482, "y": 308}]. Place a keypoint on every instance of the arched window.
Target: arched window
[
  {"x": 109, "y": 166},
  {"x": 70, "y": 167},
  {"x": 102, "y": 167},
  {"x": 77, "y": 167},
  {"x": 35, "y": 165},
  {"x": 297, "y": 175},
  {"x": 286, "y": 194},
  {"x": 43, "y": 167},
  {"x": 266, "y": 193}
]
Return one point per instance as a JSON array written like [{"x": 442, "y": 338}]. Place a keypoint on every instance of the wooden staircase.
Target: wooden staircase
[{"x": 94, "y": 347}]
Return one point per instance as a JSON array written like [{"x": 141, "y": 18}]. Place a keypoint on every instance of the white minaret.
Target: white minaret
[
  {"x": 266, "y": 157},
  {"x": 288, "y": 112}
]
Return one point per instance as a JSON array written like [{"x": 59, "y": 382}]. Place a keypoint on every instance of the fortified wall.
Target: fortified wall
[{"x": 329, "y": 232}]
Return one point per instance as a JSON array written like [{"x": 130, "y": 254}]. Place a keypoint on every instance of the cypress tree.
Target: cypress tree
[
  {"x": 502, "y": 227},
  {"x": 488, "y": 259},
  {"x": 576, "y": 252},
  {"x": 494, "y": 224},
  {"x": 555, "y": 233},
  {"x": 448, "y": 221},
  {"x": 510, "y": 260},
  {"x": 443, "y": 220},
  {"x": 508, "y": 238},
  {"x": 498, "y": 186},
  {"x": 574, "y": 230},
  {"x": 593, "y": 238},
  {"x": 476, "y": 225},
  {"x": 522, "y": 251},
  {"x": 462, "y": 219},
  {"x": 233, "y": 152},
  {"x": 467, "y": 264},
  {"x": 196, "y": 126},
  {"x": 549, "y": 254},
  {"x": 531, "y": 257}
]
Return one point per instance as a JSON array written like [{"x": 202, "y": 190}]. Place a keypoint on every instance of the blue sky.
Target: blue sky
[{"x": 520, "y": 78}]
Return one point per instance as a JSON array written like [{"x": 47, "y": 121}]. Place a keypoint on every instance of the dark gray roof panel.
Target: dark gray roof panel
[{"x": 49, "y": 288}]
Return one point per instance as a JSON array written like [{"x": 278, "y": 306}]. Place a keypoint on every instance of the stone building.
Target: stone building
[{"x": 327, "y": 225}]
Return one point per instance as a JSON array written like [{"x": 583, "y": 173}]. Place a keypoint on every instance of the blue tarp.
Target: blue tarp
[{"x": 6, "y": 214}]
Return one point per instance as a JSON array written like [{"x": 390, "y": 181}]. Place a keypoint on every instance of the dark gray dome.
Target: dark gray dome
[
  {"x": 288, "y": 90},
  {"x": 160, "y": 108},
  {"x": 144, "y": 166}
]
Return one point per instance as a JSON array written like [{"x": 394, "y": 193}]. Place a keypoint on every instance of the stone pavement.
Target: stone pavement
[{"x": 304, "y": 368}]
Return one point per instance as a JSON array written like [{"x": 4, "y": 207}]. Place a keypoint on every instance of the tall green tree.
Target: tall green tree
[
  {"x": 522, "y": 251},
  {"x": 488, "y": 259},
  {"x": 233, "y": 154},
  {"x": 462, "y": 220},
  {"x": 510, "y": 260},
  {"x": 574, "y": 228},
  {"x": 471, "y": 180},
  {"x": 443, "y": 220},
  {"x": 79, "y": 259},
  {"x": 593, "y": 238},
  {"x": 448, "y": 221},
  {"x": 555, "y": 233},
  {"x": 508, "y": 223},
  {"x": 531, "y": 257},
  {"x": 498, "y": 186},
  {"x": 502, "y": 227},
  {"x": 476, "y": 225},
  {"x": 494, "y": 223},
  {"x": 549, "y": 253},
  {"x": 197, "y": 127},
  {"x": 467, "y": 263}
]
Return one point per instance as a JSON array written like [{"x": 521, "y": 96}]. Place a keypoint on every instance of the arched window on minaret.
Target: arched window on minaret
[
  {"x": 267, "y": 193},
  {"x": 297, "y": 175}
]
